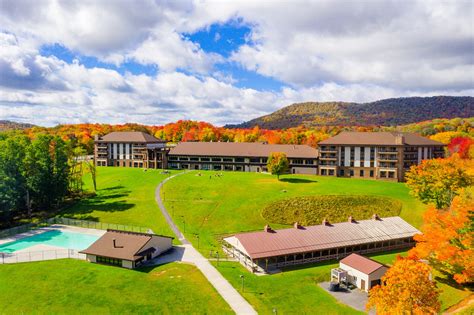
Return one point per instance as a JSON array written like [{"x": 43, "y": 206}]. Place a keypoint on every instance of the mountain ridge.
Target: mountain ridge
[{"x": 386, "y": 112}]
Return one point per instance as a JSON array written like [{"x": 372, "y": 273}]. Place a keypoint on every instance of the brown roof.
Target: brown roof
[
  {"x": 130, "y": 136},
  {"x": 242, "y": 149},
  {"x": 361, "y": 263},
  {"x": 378, "y": 138},
  {"x": 319, "y": 237},
  {"x": 128, "y": 245}
]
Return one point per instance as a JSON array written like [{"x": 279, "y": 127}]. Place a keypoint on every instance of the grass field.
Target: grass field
[
  {"x": 211, "y": 206},
  {"x": 124, "y": 196},
  {"x": 72, "y": 286}
]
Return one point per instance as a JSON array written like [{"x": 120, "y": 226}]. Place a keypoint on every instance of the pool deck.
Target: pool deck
[{"x": 53, "y": 227}]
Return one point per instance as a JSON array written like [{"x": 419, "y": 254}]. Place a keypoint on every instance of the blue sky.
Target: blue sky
[{"x": 223, "y": 62}]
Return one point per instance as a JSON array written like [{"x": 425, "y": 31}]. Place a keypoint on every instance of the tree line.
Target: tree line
[{"x": 37, "y": 175}]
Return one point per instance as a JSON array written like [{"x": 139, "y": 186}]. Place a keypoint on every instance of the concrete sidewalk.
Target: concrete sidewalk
[{"x": 187, "y": 253}]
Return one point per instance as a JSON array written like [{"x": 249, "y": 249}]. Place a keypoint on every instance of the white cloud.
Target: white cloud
[{"x": 321, "y": 51}]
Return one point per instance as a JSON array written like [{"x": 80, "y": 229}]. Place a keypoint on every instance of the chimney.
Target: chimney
[
  {"x": 326, "y": 222},
  {"x": 96, "y": 137},
  {"x": 115, "y": 244},
  {"x": 399, "y": 139},
  {"x": 375, "y": 217},
  {"x": 267, "y": 228}
]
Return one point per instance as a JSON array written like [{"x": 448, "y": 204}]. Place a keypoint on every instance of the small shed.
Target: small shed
[
  {"x": 363, "y": 272},
  {"x": 127, "y": 249}
]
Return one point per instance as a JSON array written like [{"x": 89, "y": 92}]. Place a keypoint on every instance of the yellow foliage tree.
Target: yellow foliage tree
[{"x": 406, "y": 289}]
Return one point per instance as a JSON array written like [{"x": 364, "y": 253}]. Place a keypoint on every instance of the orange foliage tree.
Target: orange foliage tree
[
  {"x": 447, "y": 241},
  {"x": 438, "y": 181},
  {"x": 406, "y": 289}
]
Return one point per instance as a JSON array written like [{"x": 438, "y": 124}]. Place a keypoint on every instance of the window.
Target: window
[
  {"x": 254, "y": 160},
  {"x": 309, "y": 162},
  {"x": 371, "y": 173},
  {"x": 331, "y": 172},
  {"x": 227, "y": 159},
  {"x": 183, "y": 158},
  {"x": 341, "y": 173},
  {"x": 351, "y": 172},
  {"x": 239, "y": 160},
  {"x": 297, "y": 161},
  {"x": 216, "y": 159},
  {"x": 108, "y": 261},
  {"x": 361, "y": 173},
  {"x": 205, "y": 159},
  {"x": 194, "y": 159},
  {"x": 173, "y": 158}
]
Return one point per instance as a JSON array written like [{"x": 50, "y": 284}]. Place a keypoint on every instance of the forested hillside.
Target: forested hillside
[
  {"x": 11, "y": 125},
  {"x": 388, "y": 112}
]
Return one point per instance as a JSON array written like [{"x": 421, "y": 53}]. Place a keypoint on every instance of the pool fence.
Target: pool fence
[{"x": 51, "y": 254}]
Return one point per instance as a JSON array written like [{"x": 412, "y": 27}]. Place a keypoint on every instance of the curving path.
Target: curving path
[{"x": 189, "y": 254}]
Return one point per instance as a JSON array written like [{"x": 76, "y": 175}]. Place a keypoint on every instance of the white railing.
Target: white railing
[{"x": 20, "y": 257}]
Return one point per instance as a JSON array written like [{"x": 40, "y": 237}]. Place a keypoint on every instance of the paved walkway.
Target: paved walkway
[{"x": 188, "y": 253}]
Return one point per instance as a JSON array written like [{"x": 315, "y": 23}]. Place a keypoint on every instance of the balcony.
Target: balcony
[{"x": 328, "y": 158}]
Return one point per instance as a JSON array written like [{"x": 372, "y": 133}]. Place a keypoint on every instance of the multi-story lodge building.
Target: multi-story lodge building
[
  {"x": 130, "y": 149},
  {"x": 240, "y": 156},
  {"x": 377, "y": 155}
]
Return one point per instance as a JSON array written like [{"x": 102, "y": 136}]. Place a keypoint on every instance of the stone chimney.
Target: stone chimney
[{"x": 96, "y": 137}]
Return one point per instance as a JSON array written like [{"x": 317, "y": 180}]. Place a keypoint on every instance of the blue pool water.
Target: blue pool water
[{"x": 58, "y": 238}]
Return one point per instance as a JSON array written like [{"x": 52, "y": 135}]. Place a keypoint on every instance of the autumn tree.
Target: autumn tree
[
  {"x": 438, "y": 181},
  {"x": 406, "y": 289},
  {"x": 277, "y": 163},
  {"x": 447, "y": 241}
]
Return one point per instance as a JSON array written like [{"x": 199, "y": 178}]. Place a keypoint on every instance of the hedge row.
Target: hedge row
[{"x": 312, "y": 210}]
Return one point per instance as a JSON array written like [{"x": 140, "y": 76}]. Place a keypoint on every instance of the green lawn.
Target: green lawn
[
  {"x": 211, "y": 206},
  {"x": 124, "y": 196},
  {"x": 72, "y": 286}
]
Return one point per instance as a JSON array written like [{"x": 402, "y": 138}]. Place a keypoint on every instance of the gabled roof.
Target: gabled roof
[
  {"x": 128, "y": 245},
  {"x": 130, "y": 136},
  {"x": 379, "y": 138},
  {"x": 242, "y": 149},
  {"x": 319, "y": 237},
  {"x": 361, "y": 263}
]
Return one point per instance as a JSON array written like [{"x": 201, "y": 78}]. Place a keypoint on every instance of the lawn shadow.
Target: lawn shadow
[
  {"x": 298, "y": 180},
  {"x": 448, "y": 280},
  {"x": 111, "y": 199}
]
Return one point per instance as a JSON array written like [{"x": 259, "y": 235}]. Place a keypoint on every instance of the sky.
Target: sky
[{"x": 154, "y": 62}]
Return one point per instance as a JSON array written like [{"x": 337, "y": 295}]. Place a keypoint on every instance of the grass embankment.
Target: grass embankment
[
  {"x": 72, "y": 286},
  {"x": 212, "y": 207},
  {"x": 312, "y": 210},
  {"x": 124, "y": 196}
]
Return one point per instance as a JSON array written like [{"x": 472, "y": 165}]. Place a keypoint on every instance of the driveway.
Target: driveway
[{"x": 353, "y": 298}]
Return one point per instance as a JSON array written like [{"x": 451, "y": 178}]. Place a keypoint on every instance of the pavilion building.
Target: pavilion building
[{"x": 270, "y": 249}]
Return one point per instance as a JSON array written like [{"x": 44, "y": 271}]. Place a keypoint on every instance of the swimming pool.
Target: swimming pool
[{"x": 65, "y": 239}]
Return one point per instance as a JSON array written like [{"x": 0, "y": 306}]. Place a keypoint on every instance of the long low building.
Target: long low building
[
  {"x": 270, "y": 249},
  {"x": 240, "y": 156}
]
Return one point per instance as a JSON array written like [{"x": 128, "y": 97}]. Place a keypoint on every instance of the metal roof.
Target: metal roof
[
  {"x": 130, "y": 136},
  {"x": 361, "y": 263},
  {"x": 319, "y": 237},
  {"x": 242, "y": 149},
  {"x": 379, "y": 138}
]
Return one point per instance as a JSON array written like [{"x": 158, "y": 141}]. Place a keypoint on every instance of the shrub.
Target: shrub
[{"x": 312, "y": 210}]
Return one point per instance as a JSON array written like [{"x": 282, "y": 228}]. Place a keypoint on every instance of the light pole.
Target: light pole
[
  {"x": 184, "y": 223},
  {"x": 242, "y": 277},
  {"x": 217, "y": 255},
  {"x": 197, "y": 236}
]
